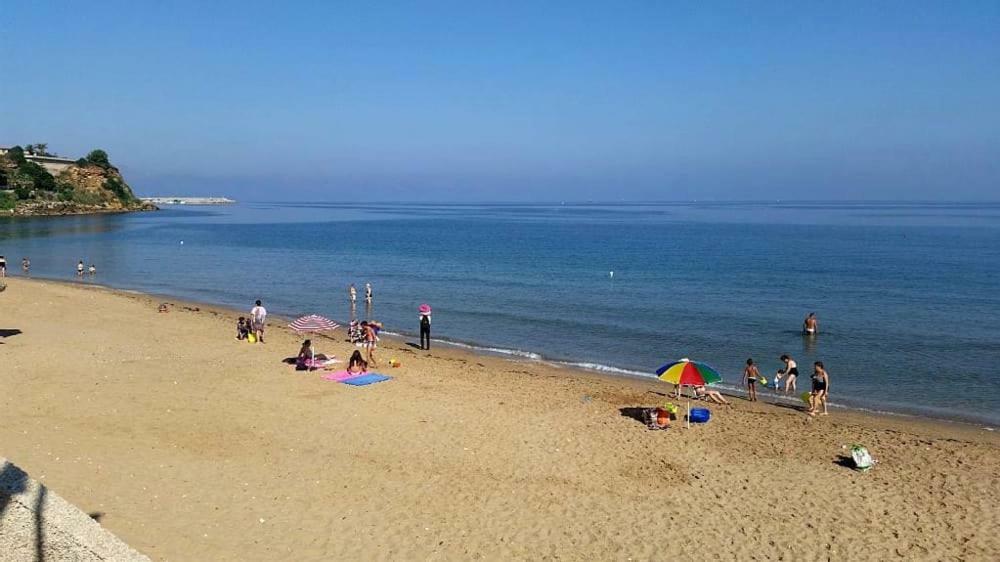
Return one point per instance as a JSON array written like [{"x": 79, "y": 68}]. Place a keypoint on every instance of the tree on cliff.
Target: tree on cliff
[
  {"x": 98, "y": 157},
  {"x": 38, "y": 149},
  {"x": 16, "y": 155}
]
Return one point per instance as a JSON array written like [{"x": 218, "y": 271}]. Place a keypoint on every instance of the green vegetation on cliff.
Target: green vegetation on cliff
[{"x": 91, "y": 183}]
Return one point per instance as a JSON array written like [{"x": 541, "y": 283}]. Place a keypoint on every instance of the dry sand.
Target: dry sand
[{"x": 194, "y": 446}]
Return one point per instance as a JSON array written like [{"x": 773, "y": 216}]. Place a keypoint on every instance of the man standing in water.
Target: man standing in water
[
  {"x": 368, "y": 300},
  {"x": 257, "y": 316},
  {"x": 79, "y": 268},
  {"x": 352, "y": 294},
  {"x": 810, "y": 326},
  {"x": 26, "y": 265}
]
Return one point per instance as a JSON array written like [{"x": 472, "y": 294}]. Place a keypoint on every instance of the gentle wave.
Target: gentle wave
[
  {"x": 473, "y": 347},
  {"x": 603, "y": 369}
]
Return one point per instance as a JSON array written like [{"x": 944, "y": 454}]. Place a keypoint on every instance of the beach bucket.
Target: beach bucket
[{"x": 700, "y": 415}]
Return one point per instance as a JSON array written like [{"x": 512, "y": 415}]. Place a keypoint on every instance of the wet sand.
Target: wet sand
[{"x": 193, "y": 446}]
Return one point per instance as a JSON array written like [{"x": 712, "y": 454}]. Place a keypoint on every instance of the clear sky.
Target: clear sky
[{"x": 532, "y": 101}]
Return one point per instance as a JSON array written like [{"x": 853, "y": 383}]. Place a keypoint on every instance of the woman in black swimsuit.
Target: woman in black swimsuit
[
  {"x": 789, "y": 373},
  {"x": 820, "y": 388}
]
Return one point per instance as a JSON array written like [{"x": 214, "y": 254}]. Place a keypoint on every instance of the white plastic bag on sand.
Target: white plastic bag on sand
[{"x": 862, "y": 458}]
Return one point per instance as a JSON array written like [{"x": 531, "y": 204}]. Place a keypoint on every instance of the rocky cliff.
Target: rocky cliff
[{"x": 91, "y": 185}]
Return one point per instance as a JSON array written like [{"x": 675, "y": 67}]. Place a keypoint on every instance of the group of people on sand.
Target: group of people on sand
[
  {"x": 252, "y": 326},
  {"x": 820, "y": 379}
]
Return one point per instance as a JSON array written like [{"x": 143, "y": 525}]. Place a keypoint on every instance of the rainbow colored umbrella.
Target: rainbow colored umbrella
[{"x": 687, "y": 372}]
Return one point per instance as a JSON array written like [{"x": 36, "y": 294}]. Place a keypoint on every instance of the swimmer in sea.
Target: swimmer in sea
[{"x": 810, "y": 326}]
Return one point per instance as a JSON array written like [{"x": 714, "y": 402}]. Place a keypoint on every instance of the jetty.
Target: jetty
[{"x": 189, "y": 200}]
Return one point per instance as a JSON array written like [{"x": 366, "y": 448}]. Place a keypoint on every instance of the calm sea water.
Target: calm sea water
[{"x": 907, "y": 294}]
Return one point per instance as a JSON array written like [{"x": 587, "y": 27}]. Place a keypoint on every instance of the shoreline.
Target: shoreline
[
  {"x": 191, "y": 444},
  {"x": 17, "y": 213},
  {"x": 519, "y": 357},
  {"x": 612, "y": 372}
]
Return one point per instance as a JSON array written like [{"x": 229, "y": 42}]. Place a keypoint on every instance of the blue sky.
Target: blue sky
[{"x": 466, "y": 101}]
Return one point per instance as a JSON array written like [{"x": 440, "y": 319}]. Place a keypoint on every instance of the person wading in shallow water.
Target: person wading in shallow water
[
  {"x": 789, "y": 373},
  {"x": 820, "y": 389},
  {"x": 750, "y": 376},
  {"x": 810, "y": 326}
]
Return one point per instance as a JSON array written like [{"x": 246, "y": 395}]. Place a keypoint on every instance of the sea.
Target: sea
[{"x": 907, "y": 294}]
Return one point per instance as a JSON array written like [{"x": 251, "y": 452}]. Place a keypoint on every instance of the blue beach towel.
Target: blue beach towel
[{"x": 370, "y": 378}]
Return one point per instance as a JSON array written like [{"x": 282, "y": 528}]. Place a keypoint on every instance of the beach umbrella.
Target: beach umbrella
[
  {"x": 685, "y": 371},
  {"x": 313, "y": 323}
]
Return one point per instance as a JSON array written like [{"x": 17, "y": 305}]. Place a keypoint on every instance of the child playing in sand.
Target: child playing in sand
[{"x": 242, "y": 328}]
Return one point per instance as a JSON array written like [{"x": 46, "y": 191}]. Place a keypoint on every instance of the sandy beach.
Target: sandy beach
[{"x": 191, "y": 445}]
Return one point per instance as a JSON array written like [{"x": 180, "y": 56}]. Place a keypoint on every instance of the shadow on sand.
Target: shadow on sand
[
  {"x": 14, "y": 481},
  {"x": 8, "y": 332}
]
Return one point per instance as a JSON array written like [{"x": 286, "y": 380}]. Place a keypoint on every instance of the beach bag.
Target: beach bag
[
  {"x": 251, "y": 338},
  {"x": 862, "y": 458},
  {"x": 699, "y": 415},
  {"x": 656, "y": 418}
]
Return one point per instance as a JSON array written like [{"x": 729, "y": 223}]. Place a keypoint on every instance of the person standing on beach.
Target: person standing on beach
[
  {"x": 3, "y": 266},
  {"x": 26, "y": 265},
  {"x": 92, "y": 270},
  {"x": 789, "y": 373},
  {"x": 258, "y": 314},
  {"x": 79, "y": 268},
  {"x": 810, "y": 326},
  {"x": 820, "y": 388},
  {"x": 750, "y": 376},
  {"x": 425, "y": 330},
  {"x": 370, "y": 342}
]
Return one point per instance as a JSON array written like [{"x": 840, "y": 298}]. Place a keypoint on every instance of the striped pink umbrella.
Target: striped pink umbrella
[{"x": 313, "y": 323}]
